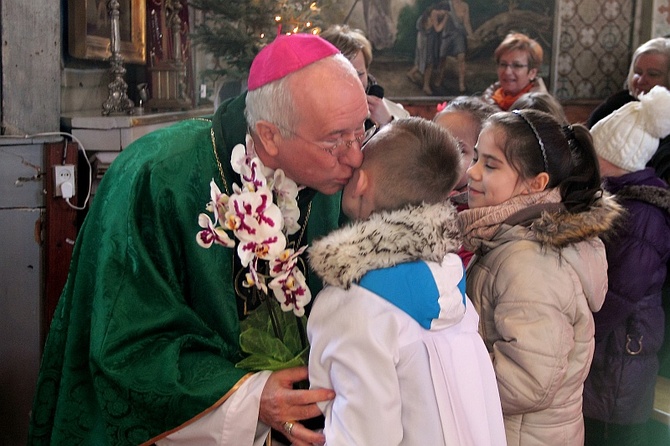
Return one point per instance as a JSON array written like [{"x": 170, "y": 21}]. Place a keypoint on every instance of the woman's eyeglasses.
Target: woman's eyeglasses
[{"x": 514, "y": 66}]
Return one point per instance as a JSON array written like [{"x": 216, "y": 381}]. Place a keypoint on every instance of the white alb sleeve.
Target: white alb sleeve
[{"x": 234, "y": 423}]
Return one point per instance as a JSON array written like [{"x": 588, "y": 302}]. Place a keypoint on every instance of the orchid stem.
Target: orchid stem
[
  {"x": 276, "y": 326},
  {"x": 301, "y": 331}
]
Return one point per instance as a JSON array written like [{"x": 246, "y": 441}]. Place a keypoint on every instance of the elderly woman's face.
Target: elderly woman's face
[
  {"x": 513, "y": 72},
  {"x": 650, "y": 70}
]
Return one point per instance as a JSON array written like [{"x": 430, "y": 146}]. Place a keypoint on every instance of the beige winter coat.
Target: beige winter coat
[{"x": 535, "y": 285}]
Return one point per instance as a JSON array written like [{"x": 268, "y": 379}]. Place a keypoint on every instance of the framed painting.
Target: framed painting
[
  {"x": 89, "y": 30},
  {"x": 465, "y": 64}
]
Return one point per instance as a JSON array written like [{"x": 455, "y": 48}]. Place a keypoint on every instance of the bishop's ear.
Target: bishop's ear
[{"x": 269, "y": 136}]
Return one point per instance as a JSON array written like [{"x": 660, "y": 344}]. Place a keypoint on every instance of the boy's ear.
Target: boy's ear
[
  {"x": 539, "y": 183},
  {"x": 269, "y": 135},
  {"x": 362, "y": 182}
]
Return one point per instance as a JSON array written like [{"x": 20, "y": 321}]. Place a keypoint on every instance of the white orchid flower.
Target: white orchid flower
[
  {"x": 286, "y": 192},
  {"x": 212, "y": 234},
  {"x": 291, "y": 291},
  {"x": 258, "y": 225},
  {"x": 261, "y": 211}
]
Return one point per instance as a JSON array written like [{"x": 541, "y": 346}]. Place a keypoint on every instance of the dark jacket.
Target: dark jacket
[{"x": 630, "y": 325}]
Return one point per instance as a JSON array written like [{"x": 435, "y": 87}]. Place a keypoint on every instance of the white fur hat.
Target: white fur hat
[{"x": 629, "y": 137}]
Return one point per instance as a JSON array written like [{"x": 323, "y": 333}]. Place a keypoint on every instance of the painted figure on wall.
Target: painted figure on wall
[
  {"x": 469, "y": 34},
  {"x": 381, "y": 29},
  {"x": 443, "y": 30},
  {"x": 455, "y": 40}
]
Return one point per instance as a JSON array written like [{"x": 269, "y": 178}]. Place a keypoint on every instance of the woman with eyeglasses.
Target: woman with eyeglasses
[
  {"x": 518, "y": 60},
  {"x": 650, "y": 66}
]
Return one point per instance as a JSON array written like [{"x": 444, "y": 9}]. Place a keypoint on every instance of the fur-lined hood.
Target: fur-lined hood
[
  {"x": 657, "y": 196},
  {"x": 425, "y": 232},
  {"x": 560, "y": 229}
]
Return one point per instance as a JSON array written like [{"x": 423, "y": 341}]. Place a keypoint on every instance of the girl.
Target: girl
[
  {"x": 536, "y": 211},
  {"x": 619, "y": 391}
]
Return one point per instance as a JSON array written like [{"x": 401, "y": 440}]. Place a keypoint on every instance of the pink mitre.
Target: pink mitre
[{"x": 285, "y": 55}]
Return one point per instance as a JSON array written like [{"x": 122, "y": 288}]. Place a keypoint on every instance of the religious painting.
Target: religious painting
[
  {"x": 89, "y": 30},
  {"x": 414, "y": 57},
  {"x": 660, "y": 21}
]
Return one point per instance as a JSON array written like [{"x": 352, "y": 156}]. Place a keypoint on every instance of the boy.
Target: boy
[{"x": 394, "y": 334}]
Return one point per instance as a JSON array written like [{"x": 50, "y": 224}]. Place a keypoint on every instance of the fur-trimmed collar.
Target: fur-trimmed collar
[
  {"x": 424, "y": 232},
  {"x": 657, "y": 196},
  {"x": 560, "y": 229}
]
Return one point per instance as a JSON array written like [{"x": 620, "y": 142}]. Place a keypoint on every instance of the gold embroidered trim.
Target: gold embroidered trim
[{"x": 216, "y": 405}]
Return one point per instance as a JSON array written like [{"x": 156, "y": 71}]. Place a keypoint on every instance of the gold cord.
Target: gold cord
[
  {"x": 304, "y": 225},
  {"x": 218, "y": 162}
]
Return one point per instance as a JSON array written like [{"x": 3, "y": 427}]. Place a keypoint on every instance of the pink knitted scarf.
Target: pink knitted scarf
[{"x": 480, "y": 224}]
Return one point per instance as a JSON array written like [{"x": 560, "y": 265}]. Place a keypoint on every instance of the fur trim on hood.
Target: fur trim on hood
[
  {"x": 657, "y": 196},
  {"x": 560, "y": 229},
  {"x": 425, "y": 232}
]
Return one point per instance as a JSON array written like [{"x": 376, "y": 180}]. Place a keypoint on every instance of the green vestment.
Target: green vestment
[{"x": 146, "y": 333}]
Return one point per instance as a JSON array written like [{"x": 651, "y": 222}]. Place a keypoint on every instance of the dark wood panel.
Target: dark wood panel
[{"x": 60, "y": 229}]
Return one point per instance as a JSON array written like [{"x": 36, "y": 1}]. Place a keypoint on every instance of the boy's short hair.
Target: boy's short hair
[{"x": 413, "y": 161}]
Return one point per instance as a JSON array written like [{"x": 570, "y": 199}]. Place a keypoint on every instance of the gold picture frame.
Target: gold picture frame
[{"x": 89, "y": 30}]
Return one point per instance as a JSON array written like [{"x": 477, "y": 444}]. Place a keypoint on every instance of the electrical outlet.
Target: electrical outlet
[{"x": 64, "y": 180}]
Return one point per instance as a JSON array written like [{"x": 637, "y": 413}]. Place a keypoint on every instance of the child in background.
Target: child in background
[
  {"x": 619, "y": 391},
  {"x": 539, "y": 100},
  {"x": 394, "y": 334},
  {"x": 536, "y": 211},
  {"x": 463, "y": 117}
]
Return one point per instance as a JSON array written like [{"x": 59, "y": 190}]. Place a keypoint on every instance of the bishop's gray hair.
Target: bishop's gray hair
[{"x": 274, "y": 102}]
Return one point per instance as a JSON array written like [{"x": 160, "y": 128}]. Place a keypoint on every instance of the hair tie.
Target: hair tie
[
  {"x": 537, "y": 136},
  {"x": 569, "y": 134}
]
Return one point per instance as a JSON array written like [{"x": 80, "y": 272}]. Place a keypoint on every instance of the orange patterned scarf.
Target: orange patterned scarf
[{"x": 505, "y": 100}]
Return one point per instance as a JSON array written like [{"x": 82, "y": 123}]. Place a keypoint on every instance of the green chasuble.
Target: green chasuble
[{"x": 146, "y": 333}]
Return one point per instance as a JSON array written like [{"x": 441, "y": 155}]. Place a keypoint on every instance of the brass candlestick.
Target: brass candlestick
[{"x": 117, "y": 101}]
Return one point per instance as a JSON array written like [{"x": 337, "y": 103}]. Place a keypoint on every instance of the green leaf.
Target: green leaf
[
  {"x": 261, "y": 362},
  {"x": 254, "y": 341},
  {"x": 265, "y": 350}
]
